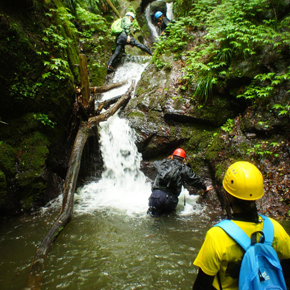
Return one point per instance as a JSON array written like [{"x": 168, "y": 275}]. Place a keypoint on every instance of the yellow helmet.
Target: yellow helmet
[{"x": 244, "y": 181}]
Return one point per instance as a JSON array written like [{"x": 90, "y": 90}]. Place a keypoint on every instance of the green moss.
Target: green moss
[
  {"x": 199, "y": 137},
  {"x": 30, "y": 177},
  {"x": 213, "y": 149},
  {"x": 3, "y": 187},
  {"x": 19, "y": 128},
  {"x": 153, "y": 116},
  {"x": 7, "y": 159},
  {"x": 178, "y": 103},
  {"x": 220, "y": 170},
  {"x": 34, "y": 152},
  {"x": 98, "y": 74},
  {"x": 196, "y": 162},
  {"x": 136, "y": 114},
  {"x": 173, "y": 130}
]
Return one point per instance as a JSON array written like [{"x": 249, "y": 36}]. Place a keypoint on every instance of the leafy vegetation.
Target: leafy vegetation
[
  {"x": 262, "y": 149},
  {"x": 90, "y": 22},
  {"x": 94, "y": 6},
  {"x": 44, "y": 119},
  {"x": 233, "y": 30}
]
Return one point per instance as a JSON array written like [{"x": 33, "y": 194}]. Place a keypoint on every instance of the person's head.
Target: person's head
[
  {"x": 158, "y": 15},
  {"x": 131, "y": 16},
  {"x": 180, "y": 153},
  {"x": 243, "y": 182}
]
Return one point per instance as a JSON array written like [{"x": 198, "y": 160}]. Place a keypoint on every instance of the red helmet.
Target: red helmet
[{"x": 179, "y": 152}]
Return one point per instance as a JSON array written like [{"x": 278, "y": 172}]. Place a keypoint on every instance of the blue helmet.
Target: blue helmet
[{"x": 158, "y": 14}]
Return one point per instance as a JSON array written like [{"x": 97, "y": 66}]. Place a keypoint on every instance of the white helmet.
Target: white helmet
[{"x": 130, "y": 14}]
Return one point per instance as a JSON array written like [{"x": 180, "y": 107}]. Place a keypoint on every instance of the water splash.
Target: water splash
[
  {"x": 123, "y": 187},
  {"x": 188, "y": 204},
  {"x": 151, "y": 26}
]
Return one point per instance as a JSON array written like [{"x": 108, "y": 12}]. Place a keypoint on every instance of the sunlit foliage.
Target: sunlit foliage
[{"x": 232, "y": 30}]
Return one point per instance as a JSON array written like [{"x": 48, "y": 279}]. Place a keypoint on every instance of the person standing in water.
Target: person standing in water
[{"x": 171, "y": 176}]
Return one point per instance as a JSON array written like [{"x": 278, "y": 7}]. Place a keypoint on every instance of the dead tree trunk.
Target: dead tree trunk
[
  {"x": 107, "y": 87},
  {"x": 85, "y": 130},
  {"x": 84, "y": 79}
]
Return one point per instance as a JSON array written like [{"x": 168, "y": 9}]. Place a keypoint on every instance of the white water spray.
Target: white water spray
[{"x": 123, "y": 187}]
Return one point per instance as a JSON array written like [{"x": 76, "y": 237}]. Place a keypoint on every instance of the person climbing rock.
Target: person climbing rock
[
  {"x": 172, "y": 173},
  {"x": 219, "y": 259},
  {"x": 159, "y": 5},
  {"x": 123, "y": 37},
  {"x": 161, "y": 21}
]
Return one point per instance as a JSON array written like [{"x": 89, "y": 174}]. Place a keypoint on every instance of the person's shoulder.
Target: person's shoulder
[
  {"x": 216, "y": 231},
  {"x": 276, "y": 224}
]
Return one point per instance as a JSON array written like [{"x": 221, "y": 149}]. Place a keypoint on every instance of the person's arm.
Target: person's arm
[
  {"x": 207, "y": 189},
  {"x": 203, "y": 281},
  {"x": 192, "y": 179}
]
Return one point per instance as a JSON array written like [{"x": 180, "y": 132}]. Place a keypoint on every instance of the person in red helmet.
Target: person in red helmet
[{"x": 172, "y": 173}]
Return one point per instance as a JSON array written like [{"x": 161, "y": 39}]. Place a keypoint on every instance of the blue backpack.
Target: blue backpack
[{"x": 260, "y": 268}]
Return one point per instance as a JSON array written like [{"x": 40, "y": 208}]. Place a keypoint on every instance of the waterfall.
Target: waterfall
[{"x": 122, "y": 187}]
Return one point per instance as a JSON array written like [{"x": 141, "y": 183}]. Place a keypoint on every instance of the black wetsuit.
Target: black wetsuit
[
  {"x": 120, "y": 44},
  {"x": 164, "y": 197}
]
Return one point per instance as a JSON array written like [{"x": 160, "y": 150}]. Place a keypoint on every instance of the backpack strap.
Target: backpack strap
[
  {"x": 268, "y": 230},
  {"x": 236, "y": 233}
]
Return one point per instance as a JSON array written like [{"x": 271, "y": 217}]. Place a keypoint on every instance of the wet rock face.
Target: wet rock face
[{"x": 164, "y": 117}]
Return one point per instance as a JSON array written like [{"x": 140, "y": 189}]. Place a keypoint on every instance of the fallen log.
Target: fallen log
[
  {"x": 108, "y": 87},
  {"x": 84, "y": 79},
  {"x": 120, "y": 103},
  {"x": 106, "y": 104},
  {"x": 86, "y": 129},
  {"x": 114, "y": 8}
]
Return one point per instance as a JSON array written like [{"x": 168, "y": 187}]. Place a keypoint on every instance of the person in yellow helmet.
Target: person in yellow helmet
[{"x": 219, "y": 258}]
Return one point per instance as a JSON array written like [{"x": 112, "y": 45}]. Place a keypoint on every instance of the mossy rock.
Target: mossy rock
[
  {"x": 7, "y": 159},
  {"x": 3, "y": 187},
  {"x": 213, "y": 149},
  {"x": 31, "y": 175},
  {"x": 34, "y": 151},
  {"x": 196, "y": 162},
  {"x": 200, "y": 138}
]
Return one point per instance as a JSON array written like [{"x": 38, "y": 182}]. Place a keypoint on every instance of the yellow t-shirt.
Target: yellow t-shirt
[{"x": 221, "y": 253}]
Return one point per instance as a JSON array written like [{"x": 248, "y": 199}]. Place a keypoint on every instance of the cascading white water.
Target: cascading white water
[
  {"x": 169, "y": 13},
  {"x": 123, "y": 188}
]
